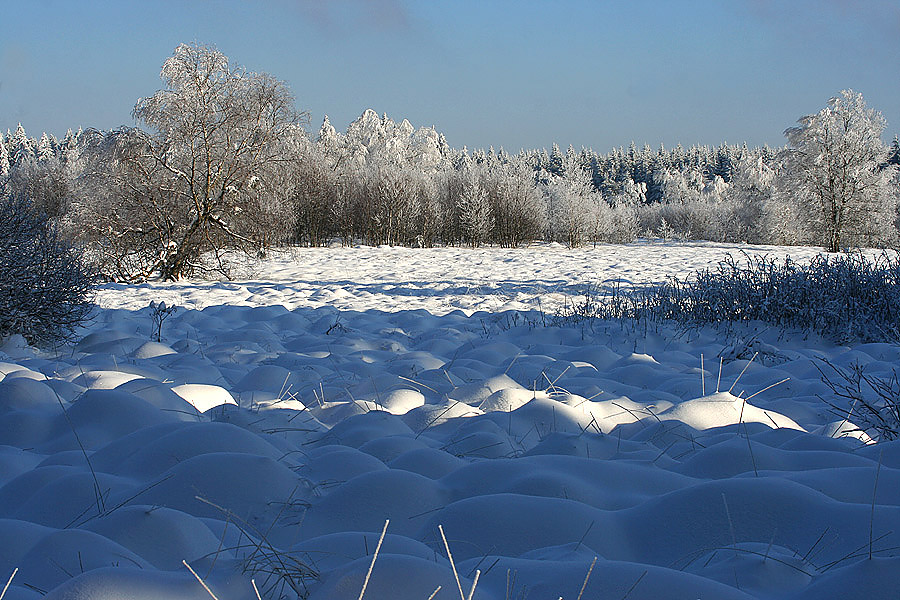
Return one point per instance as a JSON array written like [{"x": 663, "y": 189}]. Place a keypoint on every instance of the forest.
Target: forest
[{"x": 226, "y": 163}]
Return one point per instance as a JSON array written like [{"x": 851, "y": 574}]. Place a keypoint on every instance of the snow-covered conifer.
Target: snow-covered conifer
[
  {"x": 4, "y": 160},
  {"x": 18, "y": 147},
  {"x": 45, "y": 149}
]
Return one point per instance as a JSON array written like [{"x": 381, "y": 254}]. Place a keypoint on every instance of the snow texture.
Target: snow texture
[{"x": 280, "y": 421}]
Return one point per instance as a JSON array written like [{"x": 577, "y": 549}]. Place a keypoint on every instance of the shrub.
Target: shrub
[
  {"x": 44, "y": 285},
  {"x": 848, "y": 298},
  {"x": 870, "y": 402}
]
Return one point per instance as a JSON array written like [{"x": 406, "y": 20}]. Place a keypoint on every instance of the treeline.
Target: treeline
[{"x": 174, "y": 199}]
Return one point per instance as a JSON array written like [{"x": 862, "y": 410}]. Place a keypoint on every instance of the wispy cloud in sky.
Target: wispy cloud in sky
[
  {"x": 821, "y": 20},
  {"x": 339, "y": 16}
]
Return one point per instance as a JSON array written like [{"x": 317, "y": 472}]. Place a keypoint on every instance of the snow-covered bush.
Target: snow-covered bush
[
  {"x": 45, "y": 286},
  {"x": 725, "y": 219},
  {"x": 847, "y": 297}
]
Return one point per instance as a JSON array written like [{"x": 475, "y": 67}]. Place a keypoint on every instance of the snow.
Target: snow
[{"x": 280, "y": 420}]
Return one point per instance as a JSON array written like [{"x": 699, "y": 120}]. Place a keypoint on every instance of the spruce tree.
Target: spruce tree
[{"x": 4, "y": 161}]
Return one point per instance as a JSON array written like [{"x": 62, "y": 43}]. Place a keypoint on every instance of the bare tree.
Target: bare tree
[
  {"x": 202, "y": 181},
  {"x": 314, "y": 193}
]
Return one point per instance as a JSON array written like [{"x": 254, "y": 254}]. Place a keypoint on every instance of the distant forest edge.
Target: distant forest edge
[{"x": 224, "y": 162}]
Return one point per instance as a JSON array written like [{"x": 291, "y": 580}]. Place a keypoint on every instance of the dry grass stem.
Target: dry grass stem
[
  {"x": 719, "y": 379},
  {"x": 586, "y": 578},
  {"x": 462, "y": 595},
  {"x": 744, "y": 370},
  {"x": 194, "y": 573},
  {"x": 9, "y": 582},
  {"x": 362, "y": 592},
  {"x": 872, "y": 515},
  {"x": 474, "y": 584},
  {"x": 702, "y": 378}
]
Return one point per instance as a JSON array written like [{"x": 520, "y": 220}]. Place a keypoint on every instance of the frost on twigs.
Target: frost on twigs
[
  {"x": 45, "y": 287},
  {"x": 845, "y": 297},
  {"x": 205, "y": 179},
  {"x": 159, "y": 313},
  {"x": 868, "y": 403},
  {"x": 837, "y": 169}
]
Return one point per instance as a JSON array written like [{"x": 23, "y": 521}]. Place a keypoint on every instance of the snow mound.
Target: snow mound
[{"x": 279, "y": 423}]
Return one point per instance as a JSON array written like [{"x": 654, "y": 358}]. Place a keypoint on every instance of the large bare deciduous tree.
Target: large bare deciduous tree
[{"x": 204, "y": 179}]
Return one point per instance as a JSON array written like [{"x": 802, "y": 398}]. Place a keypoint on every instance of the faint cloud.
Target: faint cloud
[
  {"x": 15, "y": 57},
  {"x": 882, "y": 16},
  {"x": 880, "y": 19},
  {"x": 338, "y": 16},
  {"x": 388, "y": 15}
]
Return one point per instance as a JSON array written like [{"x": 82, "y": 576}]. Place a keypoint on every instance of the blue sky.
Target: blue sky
[{"x": 512, "y": 74}]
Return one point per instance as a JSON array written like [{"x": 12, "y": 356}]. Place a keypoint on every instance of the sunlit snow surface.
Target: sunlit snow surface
[{"x": 281, "y": 419}]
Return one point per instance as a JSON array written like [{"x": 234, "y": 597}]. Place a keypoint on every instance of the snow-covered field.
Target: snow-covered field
[{"x": 282, "y": 420}]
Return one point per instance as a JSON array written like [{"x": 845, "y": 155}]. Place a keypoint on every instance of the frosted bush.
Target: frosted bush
[
  {"x": 44, "y": 285},
  {"x": 867, "y": 402},
  {"x": 847, "y": 298}
]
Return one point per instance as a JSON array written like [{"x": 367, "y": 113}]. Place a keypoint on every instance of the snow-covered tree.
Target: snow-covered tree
[
  {"x": 45, "y": 151},
  {"x": 569, "y": 203},
  {"x": 4, "y": 160},
  {"x": 516, "y": 204},
  {"x": 329, "y": 141},
  {"x": 679, "y": 186},
  {"x": 18, "y": 146},
  {"x": 197, "y": 181},
  {"x": 750, "y": 197},
  {"x": 836, "y": 168},
  {"x": 474, "y": 210}
]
